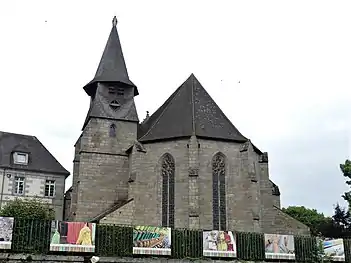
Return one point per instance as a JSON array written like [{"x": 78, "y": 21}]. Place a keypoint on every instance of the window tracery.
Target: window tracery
[
  {"x": 219, "y": 195},
  {"x": 167, "y": 172}
]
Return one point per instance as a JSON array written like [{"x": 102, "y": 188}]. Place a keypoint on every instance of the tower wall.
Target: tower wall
[
  {"x": 103, "y": 167},
  {"x": 74, "y": 195}
]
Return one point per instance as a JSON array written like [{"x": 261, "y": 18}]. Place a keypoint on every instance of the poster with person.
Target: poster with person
[
  {"x": 219, "y": 244},
  {"x": 72, "y": 236},
  {"x": 279, "y": 246},
  {"x": 6, "y": 228},
  {"x": 148, "y": 240}
]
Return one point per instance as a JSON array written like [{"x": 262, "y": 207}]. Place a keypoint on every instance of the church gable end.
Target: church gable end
[{"x": 185, "y": 166}]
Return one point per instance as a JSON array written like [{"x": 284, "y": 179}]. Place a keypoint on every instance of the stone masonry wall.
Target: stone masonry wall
[
  {"x": 238, "y": 185},
  {"x": 284, "y": 224},
  {"x": 74, "y": 196},
  {"x": 147, "y": 190},
  {"x": 103, "y": 167},
  {"x": 273, "y": 219},
  {"x": 122, "y": 216},
  {"x": 250, "y": 203},
  {"x": 193, "y": 171}
]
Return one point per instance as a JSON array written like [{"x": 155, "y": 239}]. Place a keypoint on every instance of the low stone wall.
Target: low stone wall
[{"x": 21, "y": 258}]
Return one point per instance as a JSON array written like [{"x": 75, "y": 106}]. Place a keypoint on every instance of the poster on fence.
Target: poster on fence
[
  {"x": 219, "y": 244},
  {"x": 148, "y": 240},
  {"x": 279, "y": 246},
  {"x": 72, "y": 236},
  {"x": 6, "y": 227},
  {"x": 333, "y": 248}
]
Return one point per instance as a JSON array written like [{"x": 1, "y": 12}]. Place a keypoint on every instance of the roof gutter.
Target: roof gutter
[{"x": 35, "y": 171}]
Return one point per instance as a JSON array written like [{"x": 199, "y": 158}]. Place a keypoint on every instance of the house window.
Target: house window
[
  {"x": 167, "y": 173},
  {"x": 20, "y": 158},
  {"x": 19, "y": 185},
  {"x": 50, "y": 188},
  {"x": 218, "y": 191}
]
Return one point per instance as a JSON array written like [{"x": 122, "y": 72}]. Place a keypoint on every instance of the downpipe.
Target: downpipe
[{"x": 2, "y": 187}]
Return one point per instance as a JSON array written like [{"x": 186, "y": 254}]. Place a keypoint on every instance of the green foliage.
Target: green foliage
[
  {"x": 346, "y": 171},
  {"x": 317, "y": 222},
  {"x": 28, "y": 209}
]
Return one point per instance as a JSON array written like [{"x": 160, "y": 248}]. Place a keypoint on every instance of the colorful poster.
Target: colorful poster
[
  {"x": 149, "y": 240},
  {"x": 6, "y": 227},
  {"x": 279, "y": 246},
  {"x": 72, "y": 236},
  {"x": 219, "y": 244},
  {"x": 334, "y": 248}
]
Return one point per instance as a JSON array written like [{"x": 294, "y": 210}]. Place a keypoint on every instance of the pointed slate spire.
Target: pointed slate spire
[
  {"x": 112, "y": 67},
  {"x": 190, "y": 110}
]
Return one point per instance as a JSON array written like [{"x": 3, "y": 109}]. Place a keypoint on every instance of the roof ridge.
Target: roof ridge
[
  {"x": 161, "y": 114},
  {"x": 192, "y": 104}
]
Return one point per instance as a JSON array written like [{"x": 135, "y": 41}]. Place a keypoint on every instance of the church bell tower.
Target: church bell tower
[{"x": 100, "y": 174}]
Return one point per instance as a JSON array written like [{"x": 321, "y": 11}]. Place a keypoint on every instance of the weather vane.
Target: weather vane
[{"x": 114, "y": 21}]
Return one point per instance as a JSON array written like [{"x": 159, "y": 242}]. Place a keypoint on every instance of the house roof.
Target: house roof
[
  {"x": 112, "y": 67},
  {"x": 190, "y": 110},
  {"x": 40, "y": 159}
]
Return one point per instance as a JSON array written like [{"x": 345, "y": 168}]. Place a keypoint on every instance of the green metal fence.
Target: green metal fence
[
  {"x": 33, "y": 236},
  {"x": 112, "y": 240},
  {"x": 186, "y": 243}
]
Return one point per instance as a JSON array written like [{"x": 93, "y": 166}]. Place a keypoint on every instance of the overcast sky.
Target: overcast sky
[{"x": 292, "y": 58}]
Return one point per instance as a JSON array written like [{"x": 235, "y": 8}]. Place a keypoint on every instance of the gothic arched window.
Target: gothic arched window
[
  {"x": 167, "y": 172},
  {"x": 112, "y": 130},
  {"x": 218, "y": 198}
]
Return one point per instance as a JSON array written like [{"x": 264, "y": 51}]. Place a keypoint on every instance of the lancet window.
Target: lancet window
[
  {"x": 167, "y": 173},
  {"x": 219, "y": 195}
]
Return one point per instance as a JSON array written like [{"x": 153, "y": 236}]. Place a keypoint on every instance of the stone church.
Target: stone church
[{"x": 185, "y": 166}]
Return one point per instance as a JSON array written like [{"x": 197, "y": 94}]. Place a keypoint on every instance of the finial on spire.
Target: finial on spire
[{"x": 114, "y": 21}]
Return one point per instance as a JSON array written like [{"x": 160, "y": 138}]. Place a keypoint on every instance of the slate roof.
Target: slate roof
[
  {"x": 112, "y": 67},
  {"x": 40, "y": 159},
  {"x": 190, "y": 110}
]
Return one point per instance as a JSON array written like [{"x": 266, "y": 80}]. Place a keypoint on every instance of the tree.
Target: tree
[
  {"x": 317, "y": 222},
  {"x": 346, "y": 170},
  {"x": 342, "y": 221},
  {"x": 28, "y": 209}
]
